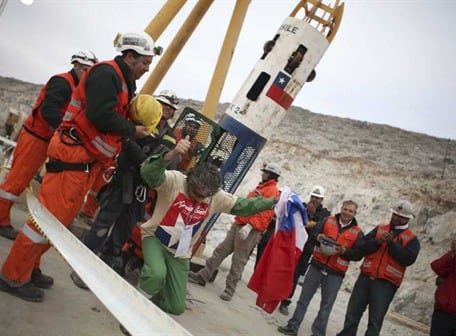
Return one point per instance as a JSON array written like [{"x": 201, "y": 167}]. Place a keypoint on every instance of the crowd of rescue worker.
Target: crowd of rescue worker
[{"x": 113, "y": 158}]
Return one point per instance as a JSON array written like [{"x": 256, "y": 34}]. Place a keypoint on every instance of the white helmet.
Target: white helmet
[
  {"x": 403, "y": 208},
  {"x": 271, "y": 167},
  {"x": 168, "y": 97},
  {"x": 84, "y": 57},
  {"x": 328, "y": 246},
  {"x": 318, "y": 191},
  {"x": 192, "y": 118},
  {"x": 142, "y": 43}
]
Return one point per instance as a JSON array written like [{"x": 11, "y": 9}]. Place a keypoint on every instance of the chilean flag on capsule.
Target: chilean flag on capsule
[
  {"x": 277, "y": 90},
  {"x": 273, "y": 277}
]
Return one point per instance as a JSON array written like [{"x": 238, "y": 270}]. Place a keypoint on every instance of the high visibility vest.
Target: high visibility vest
[
  {"x": 103, "y": 146},
  {"x": 347, "y": 238},
  {"x": 381, "y": 264},
  {"x": 35, "y": 123},
  {"x": 261, "y": 220}
]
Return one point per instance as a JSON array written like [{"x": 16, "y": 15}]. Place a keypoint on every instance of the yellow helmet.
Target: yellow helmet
[{"x": 146, "y": 110}]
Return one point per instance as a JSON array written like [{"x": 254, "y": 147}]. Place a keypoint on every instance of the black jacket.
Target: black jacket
[
  {"x": 319, "y": 217},
  {"x": 58, "y": 93},
  {"x": 405, "y": 255},
  {"x": 103, "y": 86}
]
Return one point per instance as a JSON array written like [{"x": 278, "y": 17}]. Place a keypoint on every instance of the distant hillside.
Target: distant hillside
[{"x": 375, "y": 165}]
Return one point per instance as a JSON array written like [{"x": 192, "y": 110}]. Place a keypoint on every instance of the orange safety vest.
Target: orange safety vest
[
  {"x": 35, "y": 123},
  {"x": 381, "y": 264},
  {"x": 347, "y": 238},
  {"x": 103, "y": 146},
  {"x": 261, "y": 220}
]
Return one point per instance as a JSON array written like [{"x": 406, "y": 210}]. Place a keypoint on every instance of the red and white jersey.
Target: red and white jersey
[{"x": 178, "y": 221}]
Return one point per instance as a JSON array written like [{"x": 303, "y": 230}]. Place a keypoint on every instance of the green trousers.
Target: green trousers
[{"x": 164, "y": 277}]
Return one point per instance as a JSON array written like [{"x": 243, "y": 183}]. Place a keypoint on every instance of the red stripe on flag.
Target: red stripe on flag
[{"x": 278, "y": 95}]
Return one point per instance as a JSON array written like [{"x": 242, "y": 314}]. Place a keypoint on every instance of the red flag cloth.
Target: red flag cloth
[{"x": 273, "y": 277}]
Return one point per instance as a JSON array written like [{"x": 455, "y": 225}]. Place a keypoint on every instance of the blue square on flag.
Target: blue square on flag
[
  {"x": 277, "y": 90},
  {"x": 281, "y": 80}
]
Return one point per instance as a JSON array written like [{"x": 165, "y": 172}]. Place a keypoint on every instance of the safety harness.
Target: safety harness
[{"x": 57, "y": 166}]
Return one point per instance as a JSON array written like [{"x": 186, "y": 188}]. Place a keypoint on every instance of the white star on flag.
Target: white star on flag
[{"x": 175, "y": 232}]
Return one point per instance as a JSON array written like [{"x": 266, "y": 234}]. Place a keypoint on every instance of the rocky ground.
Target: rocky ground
[{"x": 375, "y": 165}]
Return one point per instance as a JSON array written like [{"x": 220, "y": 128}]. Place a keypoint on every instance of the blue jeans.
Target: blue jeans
[
  {"x": 330, "y": 285},
  {"x": 375, "y": 293}
]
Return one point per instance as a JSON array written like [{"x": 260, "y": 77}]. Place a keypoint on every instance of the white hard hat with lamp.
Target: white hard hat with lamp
[
  {"x": 191, "y": 118},
  {"x": 271, "y": 167},
  {"x": 318, "y": 191},
  {"x": 168, "y": 97},
  {"x": 84, "y": 57},
  {"x": 141, "y": 42},
  {"x": 403, "y": 208}
]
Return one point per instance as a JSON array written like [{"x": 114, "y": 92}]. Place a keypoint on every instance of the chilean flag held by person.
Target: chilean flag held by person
[
  {"x": 272, "y": 279},
  {"x": 277, "y": 90}
]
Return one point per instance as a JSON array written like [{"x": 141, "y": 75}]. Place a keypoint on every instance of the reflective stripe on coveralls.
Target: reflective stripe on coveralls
[
  {"x": 8, "y": 196},
  {"x": 33, "y": 235},
  {"x": 29, "y": 155}
]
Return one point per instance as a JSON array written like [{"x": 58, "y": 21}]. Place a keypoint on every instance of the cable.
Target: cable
[{"x": 2, "y": 6}]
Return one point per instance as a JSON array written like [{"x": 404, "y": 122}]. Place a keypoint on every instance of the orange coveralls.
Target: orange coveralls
[
  {"x": 31, "y": 149},
  {"x": 62, "y": 192}
]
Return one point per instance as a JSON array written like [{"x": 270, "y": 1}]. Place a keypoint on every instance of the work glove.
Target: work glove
[{"x": 244, "y": 231}]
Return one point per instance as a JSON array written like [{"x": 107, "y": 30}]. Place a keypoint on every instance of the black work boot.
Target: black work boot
[
  {"x": 196, "y": 278},
  {"x": 283, "y": 308},
  {"x": 117, "y": 263},
  {"x": 26, "y": 292},
  {"x": 287, "y": 330},
  {"x": 8, "y": 232},
  {"x": 134, "y": 263},
  {"x": 41, "y": 280},
  {"x": 124, "y": 330},
  {"x": 78, "y": 281},
  {"x": 226, "y": 296}
]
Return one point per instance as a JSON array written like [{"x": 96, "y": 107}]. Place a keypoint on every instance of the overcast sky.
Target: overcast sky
[{"x": 391, "y": 62}]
